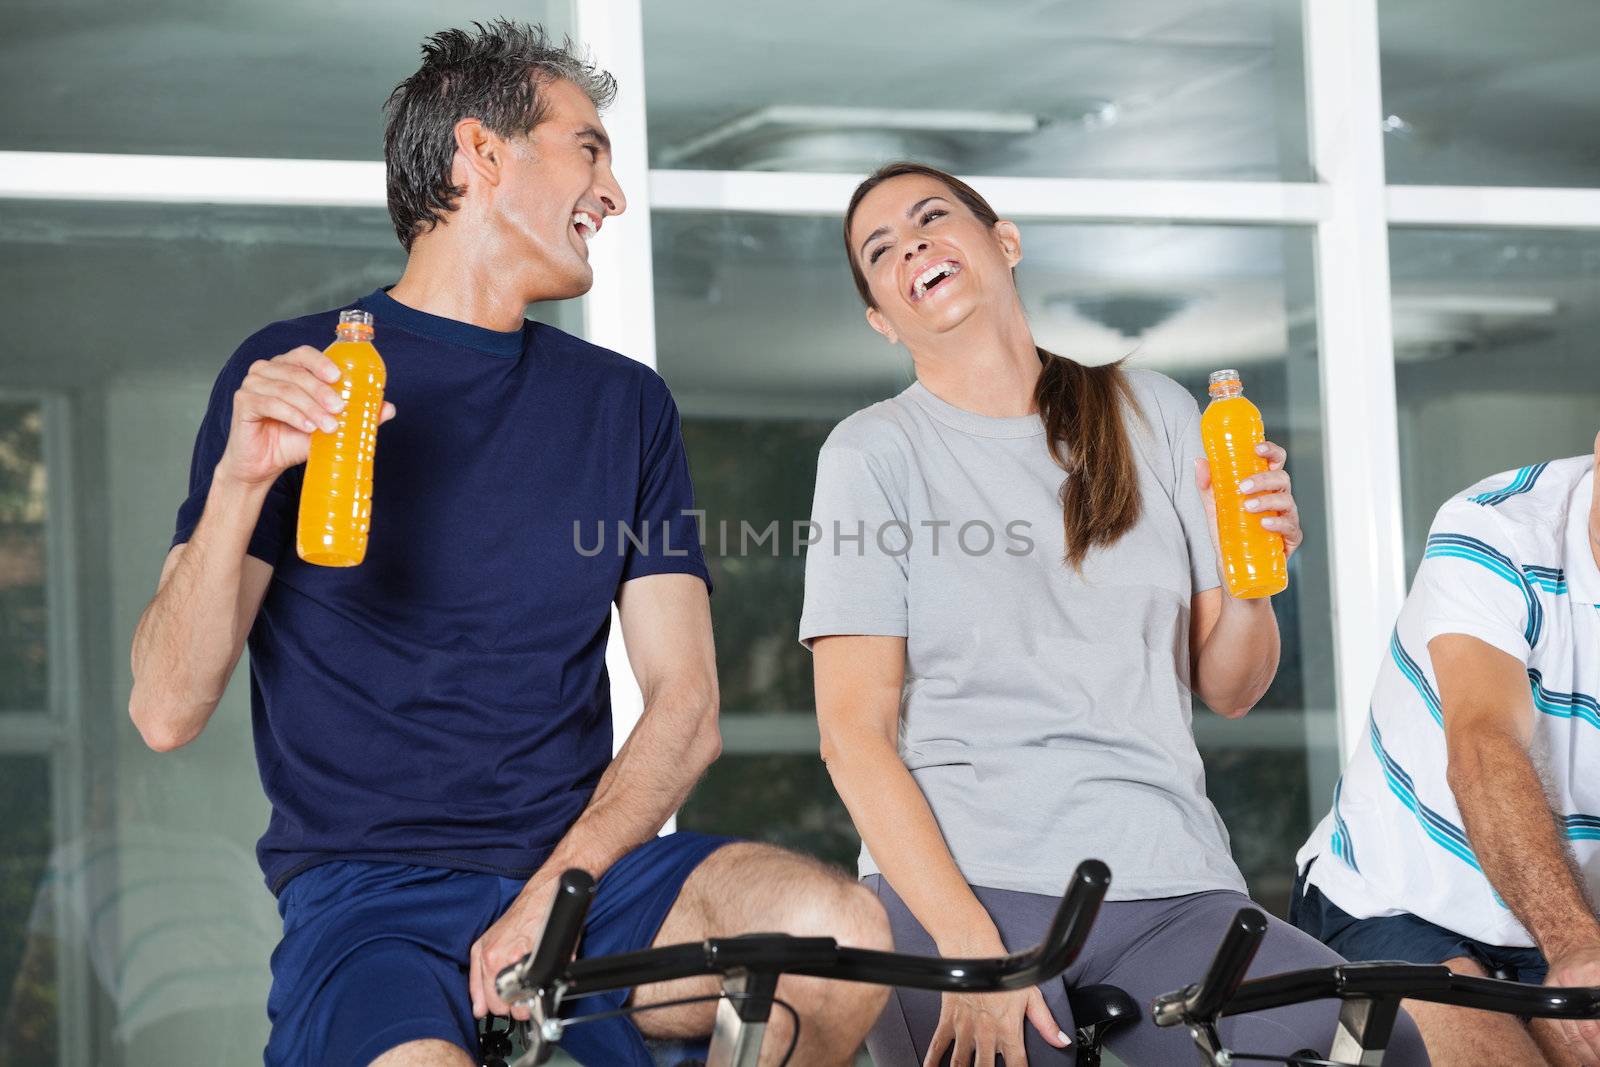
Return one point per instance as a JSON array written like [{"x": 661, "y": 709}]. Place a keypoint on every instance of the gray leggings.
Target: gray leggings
[{"x": 1147, "y": 947}]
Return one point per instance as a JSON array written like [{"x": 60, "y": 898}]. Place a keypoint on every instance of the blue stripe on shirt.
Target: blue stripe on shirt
[
  {"x": 1342, "y": 845},
  {"x": 1550, "y": 579},
  {"x": 1446, "y": 834},
  {"x": 1520, "y": 483},
  {"x": 1563, "y": 705},
  {"x": 1582, "y": 827},
  {"x": 1414, "y": 675}
]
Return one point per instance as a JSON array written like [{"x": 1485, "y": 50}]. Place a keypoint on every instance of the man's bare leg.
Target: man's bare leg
[
  {"x": 751, "y": 888},
  {"x": 428, "y": 1053},
  {"x": 1548, "y": 1034},
  {"x": 1462, "y": 1037}
]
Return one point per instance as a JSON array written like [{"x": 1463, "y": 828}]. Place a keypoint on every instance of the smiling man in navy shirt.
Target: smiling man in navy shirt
[{"x": 433, "y": 727}]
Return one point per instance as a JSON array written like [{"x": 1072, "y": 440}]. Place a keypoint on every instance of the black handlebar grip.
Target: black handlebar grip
[
  {"x": 1228, "y": 966},
  {"x": 535, "y": 972},
  {"x": 1076, "y": 915}
]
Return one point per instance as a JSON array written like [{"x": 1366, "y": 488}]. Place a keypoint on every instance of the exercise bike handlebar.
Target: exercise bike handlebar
[
  {"x": 1223, "y": 991},
  {"x": 1211, "y": 996},
  {"x": 541, "y": 972}
]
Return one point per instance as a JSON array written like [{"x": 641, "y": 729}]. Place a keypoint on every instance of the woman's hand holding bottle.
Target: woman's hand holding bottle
[{"x": 1270, "y": 491}]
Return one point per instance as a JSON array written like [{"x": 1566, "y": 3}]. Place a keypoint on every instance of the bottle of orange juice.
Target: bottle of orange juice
[
  {"x": 336, "y": 496},
  {"x": 1253, "y": 561}
]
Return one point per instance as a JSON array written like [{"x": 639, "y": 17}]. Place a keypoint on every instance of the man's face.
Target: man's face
[{"x": 555, "y": 190}]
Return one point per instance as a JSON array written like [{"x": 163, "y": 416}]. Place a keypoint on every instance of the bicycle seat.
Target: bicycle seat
[
  {"x": 1101, "y": 1005},
  {"x": 1096, "y": 1011}
]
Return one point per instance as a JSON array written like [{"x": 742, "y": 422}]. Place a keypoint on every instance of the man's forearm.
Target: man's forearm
[
  {"x": 1239, "y": 658},
  {"x": 671, "y": 747},
  {"x": 187, "y": 641},
  {"x": 1517, "y": 841}
]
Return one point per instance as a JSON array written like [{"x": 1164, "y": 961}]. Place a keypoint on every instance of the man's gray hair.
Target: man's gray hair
[{"x": 497, "y": 75}]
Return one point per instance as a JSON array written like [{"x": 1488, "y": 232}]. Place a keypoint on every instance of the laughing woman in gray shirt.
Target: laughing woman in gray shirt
[{"x": 1014, "y": 594}]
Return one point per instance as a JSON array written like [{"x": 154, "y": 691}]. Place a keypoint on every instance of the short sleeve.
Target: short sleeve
[
  {"x": 856, "y": 565},
  {"x": 1186, "y": 448},
  {"x": 1470, "y": 582},
  {"x": 274, "y": 529},
  {"x": 666, "y": 533}
]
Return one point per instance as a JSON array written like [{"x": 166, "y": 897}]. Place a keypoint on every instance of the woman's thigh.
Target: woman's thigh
[
  {"x": 1172, "y": 945},
  {"x": 901, "y": 1035}
]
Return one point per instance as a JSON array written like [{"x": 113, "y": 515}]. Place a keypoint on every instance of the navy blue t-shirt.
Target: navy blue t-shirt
[{"x": 446, "y": 702}]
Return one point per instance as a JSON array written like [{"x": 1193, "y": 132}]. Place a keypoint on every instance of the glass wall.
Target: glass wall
[
  {"x": 1477, "y": 92},
  {"x": 762, "y": 339},
  {"x": 291, "y": 79},
  {"x": 1495, "y": 363},
  {"x": 1149, "y": 89}
]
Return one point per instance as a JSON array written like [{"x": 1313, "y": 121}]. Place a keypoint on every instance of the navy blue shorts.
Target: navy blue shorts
[
  {"x": 1405, "y": 938},
  {"x": 375, "y": 954}
]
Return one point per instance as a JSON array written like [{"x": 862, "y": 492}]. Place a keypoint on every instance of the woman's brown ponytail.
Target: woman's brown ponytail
[{"x": 1082, "y": 412}]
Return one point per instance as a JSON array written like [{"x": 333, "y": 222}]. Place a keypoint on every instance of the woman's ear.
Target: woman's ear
[
  {"x": 876, "y": 320},
  {"x": 1010, "y": 239}
]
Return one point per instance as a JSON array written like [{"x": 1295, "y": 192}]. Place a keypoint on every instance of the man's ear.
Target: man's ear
[
  {"x": 479, "y": 152},
  {"x": 1010, "y": 239},
  {"x": 876, "y": 320}
]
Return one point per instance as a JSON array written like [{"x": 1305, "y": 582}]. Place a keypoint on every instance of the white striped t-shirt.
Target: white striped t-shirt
[{"x": 1508, "y": 561}]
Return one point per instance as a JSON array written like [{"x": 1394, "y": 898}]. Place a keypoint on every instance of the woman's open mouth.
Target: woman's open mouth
[{"x": 933, "y": 276}]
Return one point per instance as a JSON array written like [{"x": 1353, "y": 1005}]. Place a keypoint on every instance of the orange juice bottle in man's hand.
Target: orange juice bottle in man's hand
[{"x": 336, "y": 496}]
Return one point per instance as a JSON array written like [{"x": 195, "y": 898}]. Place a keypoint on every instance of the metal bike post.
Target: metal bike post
[
  {"x": 1364, "y": 1028},
  {"x": 1212, "y": 1052},
  {"x": 742, "y": 1019}
]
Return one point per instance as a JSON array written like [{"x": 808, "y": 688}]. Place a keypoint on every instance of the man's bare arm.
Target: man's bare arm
[
  {"x": 666, "y": 625},
  {"x": 1488, "y": 720},
  {"x": 192, "y": 633}
]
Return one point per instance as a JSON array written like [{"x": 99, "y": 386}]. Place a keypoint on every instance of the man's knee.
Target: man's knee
[
  {"x": 830, "y": 905},
  {"x": 429, "y": 1053},
  {"x": 801, "y": 895}
]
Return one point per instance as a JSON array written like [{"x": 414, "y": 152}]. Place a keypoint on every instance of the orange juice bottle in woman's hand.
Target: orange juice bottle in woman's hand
[
  {"x": 1253, "y": 561},
  {"x": 336, "y": 497}
]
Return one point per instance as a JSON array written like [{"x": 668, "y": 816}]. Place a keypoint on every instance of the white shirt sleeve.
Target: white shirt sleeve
[{"x": 1472, "y": 581}]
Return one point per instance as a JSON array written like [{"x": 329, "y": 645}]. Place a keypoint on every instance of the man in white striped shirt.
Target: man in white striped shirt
[{"x": 1466, "y": 828}]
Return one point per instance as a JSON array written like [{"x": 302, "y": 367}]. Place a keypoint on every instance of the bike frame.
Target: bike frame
[
  {"x": 750, "y": 966},
  {"x": 1370, "y": 995}
]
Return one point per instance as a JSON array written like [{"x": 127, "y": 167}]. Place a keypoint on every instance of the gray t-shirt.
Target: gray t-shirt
[{"x": 1046, "y": 714}]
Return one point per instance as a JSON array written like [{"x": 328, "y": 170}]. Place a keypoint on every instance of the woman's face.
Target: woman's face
[{"x": 930, "y": 263}]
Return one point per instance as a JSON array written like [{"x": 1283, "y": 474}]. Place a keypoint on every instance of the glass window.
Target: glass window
[
  {"x": 24, "y": 666},
  {"x": 29, "y": 1011},
  {"x": 230, "y": 78},
  {"x": 124, "y": 314},
  {"x": 1483, "y": 93},
  {"x": 1494, "y": 357},
  {"x": 762, "y": 339},
  {"x": 1152, "y": 89}
]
